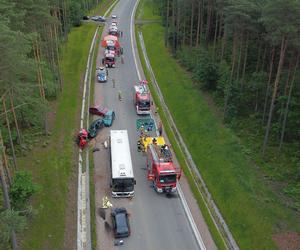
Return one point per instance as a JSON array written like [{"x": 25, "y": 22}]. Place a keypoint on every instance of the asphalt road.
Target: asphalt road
[{"x": 157, "y": 222}]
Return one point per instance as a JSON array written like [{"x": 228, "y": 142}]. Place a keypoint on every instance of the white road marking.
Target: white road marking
[{"x": 132, "y": 38}]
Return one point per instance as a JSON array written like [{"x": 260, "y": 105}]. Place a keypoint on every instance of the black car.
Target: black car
[
  {"x": 95, "y": 127},
  {"x": 85, "y": 17},
  {"x": 120, "y": 222}
]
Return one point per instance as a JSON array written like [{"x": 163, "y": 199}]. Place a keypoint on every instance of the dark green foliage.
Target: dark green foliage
[
  {"x": 185, "y": 58},
  {"x": 206, "y": 71},
  {"x": 21, "y": 189},
  {"x": 10, "y": 221},
  {"x": 76, "y": 13},
  {"x": 30, "y": 37},
  {"x": 246, "y": 53},
  {"x": 200, "y": 62},
  {"x": 224, "y": 77}
]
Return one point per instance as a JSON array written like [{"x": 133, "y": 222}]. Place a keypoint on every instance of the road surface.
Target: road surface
[{"x": 157, "y": 222}]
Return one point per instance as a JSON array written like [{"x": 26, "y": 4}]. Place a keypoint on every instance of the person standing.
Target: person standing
[{"x": 159, "y": 128}]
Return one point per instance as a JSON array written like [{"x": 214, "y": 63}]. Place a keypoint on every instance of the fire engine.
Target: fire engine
[
  {"x": 113, "y": 47},
  {"x": 142, "y": 98},
  {"x": 109, "y": 60},
  {"x": 161, "y": 169},
  {"x": 111, "y": 43}
]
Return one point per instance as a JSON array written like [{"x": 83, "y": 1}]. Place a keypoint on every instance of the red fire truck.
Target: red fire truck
[
  {"x": 109, "y": 60},
  {"x": 142, "y": 100},
  {"x": 111, "y": 43},
  {"x": 161, "y": 170}
]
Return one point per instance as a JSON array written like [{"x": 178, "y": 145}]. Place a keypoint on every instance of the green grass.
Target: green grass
[
  {"x": 146, "y": 11},
  {"x": 251, "y": 210},
  {"x": 52, "y": 166}
]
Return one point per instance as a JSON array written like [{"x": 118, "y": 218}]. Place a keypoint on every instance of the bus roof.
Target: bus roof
[{"x": 121, "y": 164}]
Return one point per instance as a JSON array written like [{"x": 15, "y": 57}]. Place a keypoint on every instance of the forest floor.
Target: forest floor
[
  {"x": 52, "y": 159},
  {"x": 256, "y": 215}
]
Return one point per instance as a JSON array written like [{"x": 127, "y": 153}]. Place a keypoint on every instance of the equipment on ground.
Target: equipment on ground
[
  {"x": 144, "y": 141},
  {"x": 147, "y": 124}
]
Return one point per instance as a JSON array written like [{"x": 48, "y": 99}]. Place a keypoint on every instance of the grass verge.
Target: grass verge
[
  {"x": 52, "y": 166},
  {"x": 251, "y": 210}
]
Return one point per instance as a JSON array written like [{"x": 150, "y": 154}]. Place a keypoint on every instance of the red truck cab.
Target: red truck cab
[
  {"x": 142, "y": 100},
  {"x": 161, "y": 169},
  {"x": 109, "y": 60}
]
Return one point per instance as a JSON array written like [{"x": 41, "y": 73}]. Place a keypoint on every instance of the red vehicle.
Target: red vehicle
[
  {"x": 161, "y": 169},
  {"x": 111, "y": 43},
  {"x": 142, "y": 100},
  {"x": 109, "y": 60},
  {"x": 98, "y": 110},
  {"x": 82, "y": 138},
  {"x": 112, "y": 48}
]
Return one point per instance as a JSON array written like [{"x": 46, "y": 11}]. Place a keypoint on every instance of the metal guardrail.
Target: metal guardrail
[
  {"x": 83, "y": 205},
  {"x": 208, "y": 200}
]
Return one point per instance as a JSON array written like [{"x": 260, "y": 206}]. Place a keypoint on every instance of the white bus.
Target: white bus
[{"x": 122, "y": 178}]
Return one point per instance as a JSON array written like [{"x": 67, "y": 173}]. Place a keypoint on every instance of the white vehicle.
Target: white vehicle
[
  {"x": 114, "y": 16},
  {"x": 98, "y": 18},
  {"x": 122, "y": 178},
  {"x": 113, "y": 31},
  {"x": 101, "y": 74}
]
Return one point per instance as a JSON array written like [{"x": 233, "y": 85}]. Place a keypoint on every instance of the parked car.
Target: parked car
[
  {"x": 108, "y": 115},
  {"x": 95, "y": 128},
  {"x": 109, "y": 118},
  {"x": 102, "y": 74},
  {"x": 98, "y": 110},
  {"x": 85, "y": 17},
  {"x": 120, "y": 222},
  {"x": 98, "y": 18}
]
